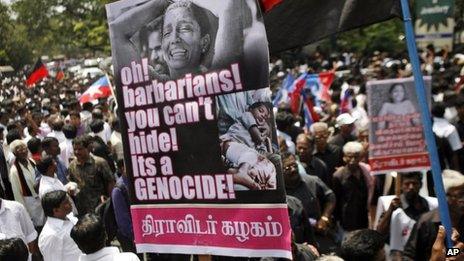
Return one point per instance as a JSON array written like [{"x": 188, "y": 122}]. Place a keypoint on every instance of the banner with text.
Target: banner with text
[
  {"x": 198, "y": 129},
  {"x": 396, "y": 139}
]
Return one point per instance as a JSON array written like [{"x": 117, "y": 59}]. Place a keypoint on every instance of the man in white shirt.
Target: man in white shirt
[
  {"x": 86, "y": 114},
  {"x": 97, "y": 114},
  {"x": 116, "y": 140},
  {"x": 90, "y": 236},
  {"x": 44, "y": 129},
  {"x": 10, "y": 137},
  {"x": 444, "y": 129},
  {"x": 49, "y": 182},
  {"x": 66, "y": 148},
  {"x": 97, "y": 129},
  {"x": 55, "y": 241},
  {"x": 396, "y": 216},
  {"x": 37, "y": 117},
  {"x": 57, "y": 130},
  {"x": 16, "y": 222},
  {"x": 51, "y": 146},
  {"x": 5, "y": 185}
]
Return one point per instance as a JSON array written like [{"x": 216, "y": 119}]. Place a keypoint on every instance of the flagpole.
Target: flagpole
[
  {"x": 111, "y": 88},
  {"x": 426, "y": 121}
]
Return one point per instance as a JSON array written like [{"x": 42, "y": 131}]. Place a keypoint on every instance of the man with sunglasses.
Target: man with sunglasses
[
  {"x": 318, "y": 199},
  {"x": 330, "y": 154}
]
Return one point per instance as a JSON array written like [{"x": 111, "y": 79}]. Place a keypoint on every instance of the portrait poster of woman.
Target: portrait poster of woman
[{"x": 395, "y": 128}]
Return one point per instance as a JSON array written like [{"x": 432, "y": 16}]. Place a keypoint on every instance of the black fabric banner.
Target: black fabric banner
[{"x": 295, "y": 23}]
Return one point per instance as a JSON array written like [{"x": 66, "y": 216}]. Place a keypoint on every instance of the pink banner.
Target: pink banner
[
  {"x": 245, "y": 230},
  {"x": 405, "y": 162}
]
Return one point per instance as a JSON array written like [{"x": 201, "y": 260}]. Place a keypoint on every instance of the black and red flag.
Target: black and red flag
[
  {"x": 294, "y": 23},
  {"x": 37, "y": 73}
]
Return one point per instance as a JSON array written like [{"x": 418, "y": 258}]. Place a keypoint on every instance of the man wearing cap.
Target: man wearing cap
[
  {"x": 419, "y": 245},
  {"x": 345, "y": 123}
]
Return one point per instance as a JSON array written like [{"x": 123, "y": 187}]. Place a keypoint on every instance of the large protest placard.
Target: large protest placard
[
  {"x": 198, "y": 129},
  {"x": 396, "y": 139}
]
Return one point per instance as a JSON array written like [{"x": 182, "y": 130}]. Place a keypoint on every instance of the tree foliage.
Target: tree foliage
[
  {"x": 385, "y": 36},
  {"x": 75, "y": 28},
  {"x": 15, "y": 47}
]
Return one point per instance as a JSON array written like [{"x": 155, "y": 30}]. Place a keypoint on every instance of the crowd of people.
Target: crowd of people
[
  {"x": 62, "y": 164},
  {"x": 60, "y": 160},
  {"x": 326, "y": 168}
]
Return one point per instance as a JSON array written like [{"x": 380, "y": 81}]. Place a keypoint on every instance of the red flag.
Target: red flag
[
  {"x": 59, "y": 75},
  {"x": 310, "y": 105},
  {"x": 326, "y": 79},
  {"x": 296, "y": 94},
  {"x": 269, "y": 4},
  {"x": 37, "y": 73}
]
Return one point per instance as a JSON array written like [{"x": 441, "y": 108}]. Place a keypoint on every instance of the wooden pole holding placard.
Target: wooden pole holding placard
[
  {"x": 398, "y": 180},
  {"x": 204, "y": 258}
]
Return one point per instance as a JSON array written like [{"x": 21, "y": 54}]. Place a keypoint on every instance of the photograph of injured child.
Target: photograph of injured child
[{"x": 249, "y": 150}]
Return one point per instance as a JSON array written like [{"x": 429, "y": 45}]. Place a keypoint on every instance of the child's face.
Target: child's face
[{"x": 261, "y": 114}]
